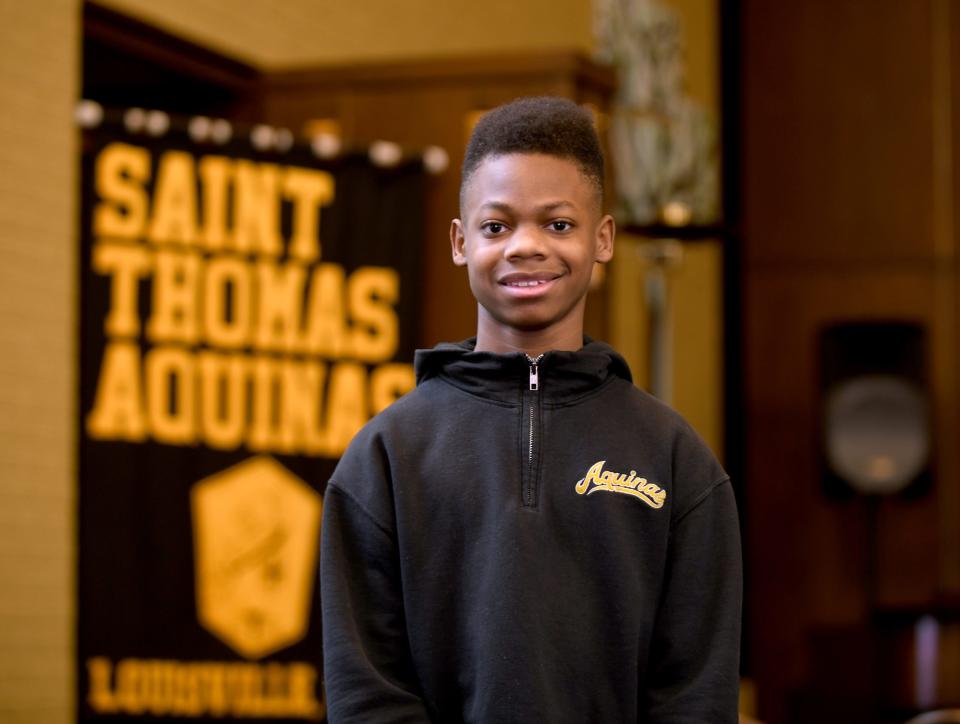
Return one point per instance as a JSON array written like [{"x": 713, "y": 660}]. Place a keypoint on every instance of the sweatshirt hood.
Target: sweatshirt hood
[{"x": 563, "y": 376}]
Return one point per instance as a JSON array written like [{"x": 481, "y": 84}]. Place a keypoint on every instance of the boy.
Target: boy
[{"x": 527, "y": 537}]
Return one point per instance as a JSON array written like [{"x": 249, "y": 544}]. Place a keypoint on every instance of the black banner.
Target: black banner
[{"x": 242, "y": 315}]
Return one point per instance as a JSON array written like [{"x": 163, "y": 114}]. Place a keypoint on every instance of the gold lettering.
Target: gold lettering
[
  {"x": 250, "y": 684},
  {"x": 256, "y": 217},
  {"x": 223, "y": 397},
  {"x": 215, "y": 174},
  {"x": 302, "y": 691},
  {"x": 130, "y": 694},
  {"x": 171, "y": 395},
  {"x": 175, "y": 297},
  {"x": 592, "y": 476},
  {"x": 372, "y": 293},
  {"x": 228, "y": 303},
  {"x": 178, "y": 396},
  {"x": 186, "y": 698},
  {"x": 650, "y": 493},
  {"x": 265, "y": 426},
  {"x": 217, "y": 689},
  {"x": 162, "y": 687},
  {"x": 174, "y": 200},
  {"x": 118, "y": 406},
  {"x": 121, "y": 172},
  {"x": 279, "y": 305},
  {"x": 224, "y": 405},
  {"x": 326, "y": 332},
  {"x": 100, "y": 697},
  {"x": 309, "y": 190},
  {"x": 125, "y": 264}
]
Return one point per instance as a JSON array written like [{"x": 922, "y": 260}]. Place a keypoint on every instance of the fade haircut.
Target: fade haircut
[{"x": 552, "y": 126}]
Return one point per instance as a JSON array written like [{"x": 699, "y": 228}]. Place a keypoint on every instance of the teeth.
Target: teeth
[{"x": 526, "y": 284}]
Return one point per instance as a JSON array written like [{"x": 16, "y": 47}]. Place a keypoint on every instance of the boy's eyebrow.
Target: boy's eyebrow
[{"x": 507, "y": 208}]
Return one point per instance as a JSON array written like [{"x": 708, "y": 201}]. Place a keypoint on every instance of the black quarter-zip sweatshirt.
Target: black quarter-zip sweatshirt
[{"x": 529, "y": 540}]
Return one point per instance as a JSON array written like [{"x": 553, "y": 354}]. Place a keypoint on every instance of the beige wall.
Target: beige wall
[
  {"x": 695, "y": 299},
  {"x": 38, "y": 85},
  {"x": 702, "y": 40},
  {"x": 273, "y": 33}
]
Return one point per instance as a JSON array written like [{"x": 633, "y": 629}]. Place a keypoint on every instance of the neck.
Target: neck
[{"x": 495, "y": 337}]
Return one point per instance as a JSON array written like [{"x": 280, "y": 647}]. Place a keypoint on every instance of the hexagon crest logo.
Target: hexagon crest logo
[{"x": 255, "y": 530}]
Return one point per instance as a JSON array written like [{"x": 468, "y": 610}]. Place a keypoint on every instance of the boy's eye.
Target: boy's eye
[
  {"x": 493, "y": 227},
  {"x": 560, "y": 226}
]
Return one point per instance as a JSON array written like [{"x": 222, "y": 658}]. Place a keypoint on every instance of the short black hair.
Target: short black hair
[{"x": 542, "y": 124}]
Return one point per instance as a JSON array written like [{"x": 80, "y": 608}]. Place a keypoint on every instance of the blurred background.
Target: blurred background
[{"x": 785, "y": 276}]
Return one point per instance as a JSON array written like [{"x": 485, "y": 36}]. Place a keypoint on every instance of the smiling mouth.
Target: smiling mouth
[{"x": 529, "y": 280}]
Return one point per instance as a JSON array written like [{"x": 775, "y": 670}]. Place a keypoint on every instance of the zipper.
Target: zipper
[
  {"x": 534, "y": 371},
  {"x": 533, "y": 398}
]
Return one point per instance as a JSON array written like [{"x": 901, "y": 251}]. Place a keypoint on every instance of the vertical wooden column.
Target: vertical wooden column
[
  {"x": 946, "y": 54},
  {"x": 849, "y": 136}
]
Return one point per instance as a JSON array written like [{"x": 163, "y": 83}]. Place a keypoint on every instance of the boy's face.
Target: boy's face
[{"x": 531, "y": 231}]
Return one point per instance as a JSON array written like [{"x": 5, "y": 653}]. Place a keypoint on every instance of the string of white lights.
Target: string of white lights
[{"x": 325, "y": 145}]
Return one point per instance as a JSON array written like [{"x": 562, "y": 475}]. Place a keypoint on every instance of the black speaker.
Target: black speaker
[{"x": 875, "y": 411}]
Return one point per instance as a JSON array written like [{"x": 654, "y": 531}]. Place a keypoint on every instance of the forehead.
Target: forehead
[{"x": 518, "y": 179}]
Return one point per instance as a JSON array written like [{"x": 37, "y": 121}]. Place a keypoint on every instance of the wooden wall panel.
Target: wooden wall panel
[
  {"x": 849, "y": 153},
  {"x": 838, "y": 148},
  {"x": 810, "y": 554}
]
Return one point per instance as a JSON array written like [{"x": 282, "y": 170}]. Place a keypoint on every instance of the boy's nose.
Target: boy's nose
[{"x": 524, "y": 243}]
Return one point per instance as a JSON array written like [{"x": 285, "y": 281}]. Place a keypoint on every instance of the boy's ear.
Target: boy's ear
[
  {"x": 456, "y": 242},
  {"x": 606, "y": 231}
]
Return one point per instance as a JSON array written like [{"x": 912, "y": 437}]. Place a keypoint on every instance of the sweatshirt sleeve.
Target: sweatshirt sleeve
[
  {"x": 367, "y": 668},
  {"x": 695, "y": 654}
]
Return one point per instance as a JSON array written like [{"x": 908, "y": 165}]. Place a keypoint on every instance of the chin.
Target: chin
[{"x": 529, "y": 322}]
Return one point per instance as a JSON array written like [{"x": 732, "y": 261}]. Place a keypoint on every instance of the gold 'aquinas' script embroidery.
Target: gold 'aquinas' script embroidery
[{"x": 600, "y": 479}]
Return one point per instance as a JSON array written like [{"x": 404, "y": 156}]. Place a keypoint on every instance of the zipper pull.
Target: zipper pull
[{"x": 534, "y": 375}]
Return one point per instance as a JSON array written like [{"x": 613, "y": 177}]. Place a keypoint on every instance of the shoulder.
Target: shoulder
[
  {"x": 687, "y": 462},
  {"x": 377, "y": 447},
  {"x": 385, "y": 450},
  {"x": 406, "y": 416},
  {"x": 641, "y": 409}
]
